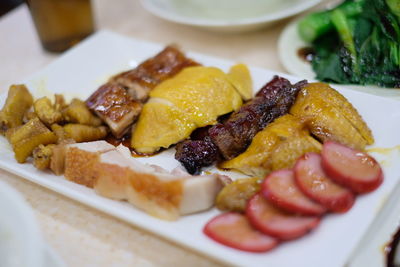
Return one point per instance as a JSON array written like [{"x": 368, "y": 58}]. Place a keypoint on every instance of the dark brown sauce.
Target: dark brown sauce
[
  {"x": 136, "y": 154},
  {"x": 306, "y": 53},
  {"x": 391, "y": 248},
  {"x": 126, "y": 141}
]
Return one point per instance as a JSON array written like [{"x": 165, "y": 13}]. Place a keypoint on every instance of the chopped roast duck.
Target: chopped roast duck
[
  {"x": 119, "y": 102},
  {"x": 116, "y": 107},
  {"x": 113, "y": 172},
  {"x": 153, "y": 71},
  {"x": 232, "y": 137}
]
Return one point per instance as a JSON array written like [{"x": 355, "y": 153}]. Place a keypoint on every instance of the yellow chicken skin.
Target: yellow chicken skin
[
  {"x": 171, "y": 122},
  {"x": 194, "y": 98},
  {"x": 330, "y": 116},
  {"x": 287, "y": 152},
  {"x": 239, "y": 76},
  {"x": 277, "y": 146}
]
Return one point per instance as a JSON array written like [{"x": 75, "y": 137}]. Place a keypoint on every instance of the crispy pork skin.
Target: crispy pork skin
[
  {"x": 80, "y": 159},
  {"x": 112, "y": 172},
  {"x": 150, "y": 188}
]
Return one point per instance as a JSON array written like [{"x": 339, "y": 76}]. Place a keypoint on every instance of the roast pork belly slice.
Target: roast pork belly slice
[
  {"x": 152, "y": 189},
  {"x": 113, "y": 104},
  {"x": 80, "y": 159}
]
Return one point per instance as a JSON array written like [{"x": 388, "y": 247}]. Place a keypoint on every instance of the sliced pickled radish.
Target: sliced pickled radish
[
  {"x": 281, "y": 189},
  {"x": 314, "y": 182},
  {"x": 234, "y": 230},
  {"x": 274, "y": 222},
  {"x": 352, "y": 168}
]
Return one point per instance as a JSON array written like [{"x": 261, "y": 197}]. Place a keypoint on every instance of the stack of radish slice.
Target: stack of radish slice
[{"x": 292, "y": 202}]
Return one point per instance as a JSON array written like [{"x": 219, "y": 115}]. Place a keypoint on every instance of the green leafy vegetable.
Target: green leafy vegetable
[
  {"x": 317, "y": 24},
  {"x": 357, "y": 42}
]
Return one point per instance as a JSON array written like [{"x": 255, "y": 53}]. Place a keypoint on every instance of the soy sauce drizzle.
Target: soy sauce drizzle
[
  {"x": 390, "y": 250},
  {"x": 126, "y": 141}
]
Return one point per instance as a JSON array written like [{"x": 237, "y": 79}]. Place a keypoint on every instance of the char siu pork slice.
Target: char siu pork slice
[{"x": 228, "y": 139}]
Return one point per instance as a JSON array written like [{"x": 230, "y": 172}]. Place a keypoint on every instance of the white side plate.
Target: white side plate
[
  {"x": 227, "y": 15},
  {"x": 21, "y": 243}
]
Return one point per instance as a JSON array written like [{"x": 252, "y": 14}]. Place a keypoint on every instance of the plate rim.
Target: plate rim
[{"x": 149, "y": 6}]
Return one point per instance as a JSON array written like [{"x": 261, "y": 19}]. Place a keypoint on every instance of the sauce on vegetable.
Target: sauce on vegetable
[{"x": 306, "y": 53}]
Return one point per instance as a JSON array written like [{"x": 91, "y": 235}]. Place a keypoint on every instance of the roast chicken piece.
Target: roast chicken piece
[
  {"x": 119, "y": 102},
  {"x": 330, "y": 116},
  {"x": 234, "y": 196},
  {"x": 239, "y": 76},
  {"x": 277, "y": 146},
  {"x": 114, "y": 173},
  {"x": 194, "y": 98}
]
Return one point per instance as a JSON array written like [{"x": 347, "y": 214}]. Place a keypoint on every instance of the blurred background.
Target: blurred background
[{"x": 7, "y": 5}]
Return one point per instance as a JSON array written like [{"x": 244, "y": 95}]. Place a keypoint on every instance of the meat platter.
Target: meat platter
[{"x": 83, "y": 69}]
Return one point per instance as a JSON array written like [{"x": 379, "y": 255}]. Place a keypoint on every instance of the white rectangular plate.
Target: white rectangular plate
[{"x": 81, "y": 70}]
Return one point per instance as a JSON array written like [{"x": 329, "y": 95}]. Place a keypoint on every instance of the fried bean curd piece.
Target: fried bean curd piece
[
  {"x": 46, "y": 111},
  {"x": 234, "y": 196},
  {"x": 27, "y": 137},
  {"x": 10, "y": 132},
  {"x": 77, "y": 112},
  {"x": 59, "y": 132},
  {"x": 84, "y": 133},
  {"x": 59, "y": 102},
  {"x": 42, "y": 156},
  {"x": 29, "y": 115},
  {"x": 18, "y": 101}
]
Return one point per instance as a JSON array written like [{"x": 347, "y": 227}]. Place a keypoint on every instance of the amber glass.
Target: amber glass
[{"x": 61, "y": 23}]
